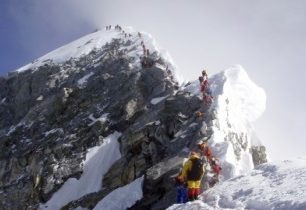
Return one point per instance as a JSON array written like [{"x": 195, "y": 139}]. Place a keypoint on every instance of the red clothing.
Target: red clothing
[
  {"x": 216, "y": 169},
  {"x": 207, "y": 98},
  {"x": 193, "y": 193},
  {"x": 204, "y": 86},
  {"x": 206, "y": 152}
]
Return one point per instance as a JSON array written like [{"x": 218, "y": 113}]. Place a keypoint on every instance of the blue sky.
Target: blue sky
[
  {"x": 268, "y": 38},
  {"x": 31, "y": 28}
]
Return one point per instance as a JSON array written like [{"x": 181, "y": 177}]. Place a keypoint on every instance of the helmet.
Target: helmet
[
  {"x": 194, "y": 153},
  {"x": 200, "y": 142}
]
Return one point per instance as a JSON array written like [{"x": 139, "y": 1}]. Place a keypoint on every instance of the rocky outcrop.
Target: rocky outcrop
[{"x": 259, "y": 155}]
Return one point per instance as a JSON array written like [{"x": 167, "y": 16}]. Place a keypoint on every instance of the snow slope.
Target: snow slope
[
  {"x": 95, "y": 41},
  {"x": 238, "y": 102},
  {"x": 98, "y": 160},
  {"x": 123, "y": 197},
  {"x": 278, "y": 186}
]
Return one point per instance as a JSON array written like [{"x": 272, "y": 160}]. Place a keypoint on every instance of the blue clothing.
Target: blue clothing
[{"x": 182, "y": 195}]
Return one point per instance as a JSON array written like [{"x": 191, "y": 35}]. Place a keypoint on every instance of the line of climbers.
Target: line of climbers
[
  {"x": 205, "y": 90},
  {"x": 194, "y": 176},
  {"x": 119, "y": 28},
  {"x": 146, "y": 61}
]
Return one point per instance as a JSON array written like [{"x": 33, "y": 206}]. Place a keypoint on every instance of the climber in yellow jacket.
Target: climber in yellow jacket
[{"x": 193, "y": 171}]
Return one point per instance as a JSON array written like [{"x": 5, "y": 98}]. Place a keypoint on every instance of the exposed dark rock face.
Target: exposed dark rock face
[{"x": 259, "y": 155}]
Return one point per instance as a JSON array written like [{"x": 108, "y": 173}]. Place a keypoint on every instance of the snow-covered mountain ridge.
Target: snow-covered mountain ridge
[
  {"x": 100, "y": 39},
  {"x": 66, "y": 117},
  {"x": 277, "y": 185},
  {"x": 238, "y": 102}
]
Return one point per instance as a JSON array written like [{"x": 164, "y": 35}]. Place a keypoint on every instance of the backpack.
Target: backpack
[{"x": 196, "y": 171}]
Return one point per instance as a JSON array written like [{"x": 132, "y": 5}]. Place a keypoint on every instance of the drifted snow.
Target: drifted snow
[
  {"x": 123, "y": 197},
  {"x": 279, "y": 186},
  {"x": 98, "y": 161}
]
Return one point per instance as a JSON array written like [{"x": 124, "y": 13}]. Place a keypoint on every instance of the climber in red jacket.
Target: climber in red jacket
[
  {"x": 216, "y": 169},
  {"x": 205, "y": 150}
]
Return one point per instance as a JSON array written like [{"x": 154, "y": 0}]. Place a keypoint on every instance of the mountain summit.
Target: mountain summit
[{"x": 104, "y": 123}]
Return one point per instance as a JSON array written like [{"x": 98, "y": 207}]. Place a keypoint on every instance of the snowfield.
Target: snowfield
[
  {"x": 277, "y": 186},
  {"x": 123, "y": 197},
  {"x": 98, "y": 161}
]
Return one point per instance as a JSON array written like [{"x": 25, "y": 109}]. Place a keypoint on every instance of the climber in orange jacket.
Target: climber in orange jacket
[
  {"x": 193, "y": 171},
  {"x": 205, "y": 150}
]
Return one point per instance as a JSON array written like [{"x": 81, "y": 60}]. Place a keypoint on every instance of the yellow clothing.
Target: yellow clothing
[
  {"x": 194, "y": 184},
  {"x": 186, "y": 168}
]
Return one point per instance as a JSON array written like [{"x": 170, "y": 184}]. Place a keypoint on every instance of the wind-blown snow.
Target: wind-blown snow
[
  {"x": 238, "y": 102},
  {"x": 279, "y": 186},
  {"x": 123, "y": 197},
  {"x": 98, "y": 161}
]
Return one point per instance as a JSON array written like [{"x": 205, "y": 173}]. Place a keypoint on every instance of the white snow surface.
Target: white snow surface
[
  {"x": 75, "y": 49},
  {"x": 237, "y": 103},
  {"x": 98, "y": 161},
  {"x": 123, "y": 197},
  {"x": 82, "y": 82},
  {"x": 102, "y": 119},
  {"x": 278, "y": 186},
  {"x": 3, "y": 100},
  {"x": 157, "y": 100},
  {"x": 97, "y": 40}
]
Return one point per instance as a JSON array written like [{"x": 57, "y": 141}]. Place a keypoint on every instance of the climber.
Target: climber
[
  {"x": 216, "y": 169},
  {"x": 199, "y": 115},
  {"x": 207, "y": 95},
  {"x": 201, "y": 80},
  {"x": 193, "y": 171},
  {"x": 207, "y": 98},
  {"x": 205, "y": 151},
  {"x": 204, "y": 85},
  {"x": 204, "y": 74},
  {"x": 181, "y": 189}
]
